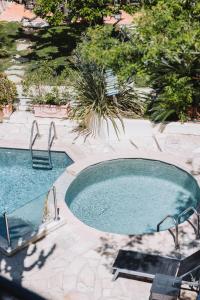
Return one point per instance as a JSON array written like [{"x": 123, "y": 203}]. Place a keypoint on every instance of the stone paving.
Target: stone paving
[
  {"x": 66, "y": 265},
  {"x": 74, "y": 262},
  {"x": 15, "y": 73}
]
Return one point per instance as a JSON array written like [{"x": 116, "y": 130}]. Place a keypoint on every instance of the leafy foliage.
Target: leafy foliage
[
  {"x": 45, "y": 88},
  {"x": 90, "y": 11},
  {"x": 137, "y": 5},
  {"x": 8, "y": 91},
  {"x": 50, "y": 96},
  {"x": 163, "y": 51},
  {"x": 104, "y": 46},
  {"x": 51, "y": 10},
  {"x": 56, "y": 11},
  {"x": 46, "y": 74},
  {"x": 167, "y": 45}
]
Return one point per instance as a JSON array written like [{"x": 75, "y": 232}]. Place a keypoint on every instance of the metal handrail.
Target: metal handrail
[
  {"x": 55, "y": 203},
  {"x": 51, "y": 139},
  {"x": 56, "y": 215},
  {"x": 196, "y": 228},
  {"x": 7, "y": 229},
  {"x": 56, "y": 210},
  {"x": 175, "y": 236},
  {"x": 33, "y": 137}
]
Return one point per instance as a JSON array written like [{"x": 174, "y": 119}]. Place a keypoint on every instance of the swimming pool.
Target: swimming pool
[
  {"x": 23, "y": 189},
  {"x": 131, "y": 196}
]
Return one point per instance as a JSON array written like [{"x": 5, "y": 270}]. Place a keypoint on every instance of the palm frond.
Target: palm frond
[{"x": 91, "y": 99}]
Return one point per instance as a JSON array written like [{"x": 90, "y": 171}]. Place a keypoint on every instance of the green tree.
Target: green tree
[
  {"x": 89, "y": 11},
  {"x": 8, "y": 91},
  {"x": 51, "y": 10},
  {"x": 103, "y": 46},
  {"x": 167, "y": 49}
]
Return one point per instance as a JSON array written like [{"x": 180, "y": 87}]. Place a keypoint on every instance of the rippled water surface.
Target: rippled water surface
[{"x": 131, "y": 196}]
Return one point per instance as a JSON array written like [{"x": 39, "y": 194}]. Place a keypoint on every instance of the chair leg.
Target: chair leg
[{"x": 115, "y": 275}]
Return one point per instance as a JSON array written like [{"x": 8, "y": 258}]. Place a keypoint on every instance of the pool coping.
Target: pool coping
[
  {"x": 78, "y": 166},
  {"x": 72, "y": 150}
]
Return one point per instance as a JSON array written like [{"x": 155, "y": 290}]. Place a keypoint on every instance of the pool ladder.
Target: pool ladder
[
  {"x": 42, "y": 161},
  {"x": 196, "y": 227}
]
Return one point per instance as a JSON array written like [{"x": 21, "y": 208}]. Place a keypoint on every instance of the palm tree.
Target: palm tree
[{"x": 92, "y": 106}]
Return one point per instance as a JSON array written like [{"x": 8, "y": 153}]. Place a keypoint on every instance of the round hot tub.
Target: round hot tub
[{"x": 131, "y": 196}]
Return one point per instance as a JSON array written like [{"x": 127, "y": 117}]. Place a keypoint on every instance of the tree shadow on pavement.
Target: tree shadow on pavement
[{"x": 24, "y": 261}]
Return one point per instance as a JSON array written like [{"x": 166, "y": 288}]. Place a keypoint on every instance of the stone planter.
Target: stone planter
[
  {"x": 7, "y": 110},
  {"x": 194, "y": 113},
  {"x": 52, "y": 111},
  {"x": 1, "y": 115}
]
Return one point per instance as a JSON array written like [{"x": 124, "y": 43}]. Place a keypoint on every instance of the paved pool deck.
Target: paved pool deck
[{"x": 74, "y": 262}]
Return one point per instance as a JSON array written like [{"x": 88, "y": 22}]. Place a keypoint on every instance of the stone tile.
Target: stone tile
[
  {"x": 117, "y": 290},
  {"x": 77, "y": 296},
  {"x": 93, "y": 262},
  {"x": 86, "y": 279},
  {"x": 107, "y": 293},
  {"x": 21, "y": 46},
  {"x": 98, "y": 288},
  {"x": 106, "y": 283},
  {"x": 104, "y": 272},
  {"x": 91, "y": 254},
  {"x": 76, "y": 266},
  {"x": 55, "y": 280},
  {"x": 69, "y": 283},
  {"x": 118, "y": 298}
]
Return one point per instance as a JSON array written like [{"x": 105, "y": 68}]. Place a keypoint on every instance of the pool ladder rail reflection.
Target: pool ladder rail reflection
[
  {"x": 52, "y": 215},
  {"x": 176, "y": 222},
  {"x": 42, "y": 162}
]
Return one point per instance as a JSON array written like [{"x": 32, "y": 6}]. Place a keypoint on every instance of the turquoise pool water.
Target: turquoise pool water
[
  {"x": 131, "y": 196},
  {"x": 23, "y": 188}
]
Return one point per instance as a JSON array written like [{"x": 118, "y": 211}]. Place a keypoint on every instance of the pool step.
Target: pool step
[
  {"x": 41, "y": 167},
  {"x": 41, "y": 163},
  {"x": 40, "y": 158},
  {"x": 44, "y": 163}
]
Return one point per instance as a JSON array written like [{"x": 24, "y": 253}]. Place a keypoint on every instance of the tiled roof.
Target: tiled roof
[{"x": 16, "y": 12}]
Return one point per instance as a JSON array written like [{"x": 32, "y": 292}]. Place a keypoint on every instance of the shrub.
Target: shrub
[
  {"x": 92, "y": 100},
  {"x": 8, "y": 91},
  {"x": 167, "y": 45},
  {"x": 104, "y": 46},
  {"x": 44, "y": 87},
  {"x": 54, "y": 96}
]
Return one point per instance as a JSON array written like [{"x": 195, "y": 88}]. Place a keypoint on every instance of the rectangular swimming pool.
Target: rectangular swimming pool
[{"x": 24, "y": 189}]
